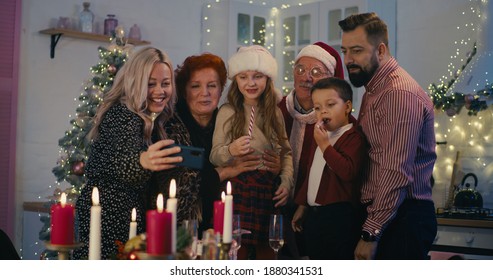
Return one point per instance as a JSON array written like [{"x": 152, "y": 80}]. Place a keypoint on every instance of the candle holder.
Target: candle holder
[
  {"x": 146, "y": 256},
  {"x": 63, "y": 250},
  {"x": 224, "y": 250}
]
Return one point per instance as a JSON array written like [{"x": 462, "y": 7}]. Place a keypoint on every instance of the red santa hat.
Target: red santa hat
[
  {"x": 252, "y": 58},
  {"x": 325, "y": 54}
]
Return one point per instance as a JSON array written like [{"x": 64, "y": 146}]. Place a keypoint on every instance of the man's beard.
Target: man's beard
[{"x": 362, "y": 77}]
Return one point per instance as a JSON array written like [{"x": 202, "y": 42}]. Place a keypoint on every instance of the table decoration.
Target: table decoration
[
  {"x": 171, "y": 205},
  {"x": 63, "y": 250},
  {"x": 62, "y": 222},
  {"x": 95, "y": 227},
  {"x": 133, "y": 225},
  {"x": 219, "y": 214},
  {"x": 159, "y": 230},
  {"x": 228, "y": 215}
]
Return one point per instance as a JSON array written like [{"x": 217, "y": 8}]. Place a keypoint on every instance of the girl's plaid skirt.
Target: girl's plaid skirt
[{"x": 252, "y": 193}]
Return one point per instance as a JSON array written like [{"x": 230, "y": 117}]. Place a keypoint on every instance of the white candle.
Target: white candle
[
  {"x": 133, "y": 225},
  {"x": 171, "y": 204},
  {"x": 95, "y": 227},
  {"x": 228, "y": 215}
]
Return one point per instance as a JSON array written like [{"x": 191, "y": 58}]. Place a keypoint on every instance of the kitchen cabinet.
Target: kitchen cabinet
[
  {"x": 285, "y": 30},
  {"x": 470, "y": 238},
  {"x": 229, "y": 25}
]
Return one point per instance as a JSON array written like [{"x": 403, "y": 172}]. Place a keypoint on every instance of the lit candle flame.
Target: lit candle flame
[
  {"x": 172, "y": 189},
  {"x": 63, "y": 199},
  {"x": 134, "y": 215},
  {"x": 223, "y": 197},
  {"x": 95, "y": 196},
  {"x": 160, "y": 203},
  {"x": 228, "y": 188}
]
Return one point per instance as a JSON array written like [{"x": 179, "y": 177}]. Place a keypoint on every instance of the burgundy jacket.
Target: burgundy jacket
[{"x": 342, "y": 180}]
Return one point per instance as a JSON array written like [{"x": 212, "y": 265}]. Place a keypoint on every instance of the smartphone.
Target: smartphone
[{"x": 193, "y": 157}]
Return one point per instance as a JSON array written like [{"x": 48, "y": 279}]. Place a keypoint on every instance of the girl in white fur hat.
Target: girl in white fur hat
[{"x": 251, "y": 122}]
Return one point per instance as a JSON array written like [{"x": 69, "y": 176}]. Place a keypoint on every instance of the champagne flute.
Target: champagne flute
[
  {"x": 192, "y": 228},
  {"x": 237, "y": 232},
  {"x": 276, "y": 237}
]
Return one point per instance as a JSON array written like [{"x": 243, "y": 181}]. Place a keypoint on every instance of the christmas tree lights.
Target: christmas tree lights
[{"x": 74, "y": 145}]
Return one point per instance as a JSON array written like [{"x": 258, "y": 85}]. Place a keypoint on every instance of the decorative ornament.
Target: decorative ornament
[
  {"x": 451, "y": 112},
  {"x": 79, "y": 121},
  {"x": 119, "y": 32},
  {"x": 469, "y": 99},
  {"x": 78, "y": 168},
  {"x": 112, "y": 69},
  {"x": 453, "y": 103}
]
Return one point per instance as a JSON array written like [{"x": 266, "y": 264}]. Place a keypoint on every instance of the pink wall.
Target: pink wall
[{"x": 9, "y": 68}]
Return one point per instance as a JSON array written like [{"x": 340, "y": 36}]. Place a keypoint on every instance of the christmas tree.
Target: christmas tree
[{"x": 74, "y": 145}]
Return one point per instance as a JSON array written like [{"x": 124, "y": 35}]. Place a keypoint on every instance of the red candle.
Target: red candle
[
  {"x": 158, "y": 227},
  {"x": 62, "y": 222},
  {"x": 219, "y": 215}
]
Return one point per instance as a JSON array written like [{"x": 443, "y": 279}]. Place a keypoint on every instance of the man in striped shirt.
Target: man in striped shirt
[{"x": 397, "y": 117}]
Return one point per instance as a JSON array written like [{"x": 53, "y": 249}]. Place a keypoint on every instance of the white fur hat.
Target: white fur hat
[
  {"x": 253, "y": 58},
  {"x": 319, "y": 51}
]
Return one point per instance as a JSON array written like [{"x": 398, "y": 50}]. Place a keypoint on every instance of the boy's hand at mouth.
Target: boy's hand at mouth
[{"x": 320, "y": 134}]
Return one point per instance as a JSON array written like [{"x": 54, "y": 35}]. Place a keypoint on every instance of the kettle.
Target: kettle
[{"x": 467, "y": 197}]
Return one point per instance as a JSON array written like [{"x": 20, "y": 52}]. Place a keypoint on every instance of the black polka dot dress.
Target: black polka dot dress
[{"x": 114, "y": 168}]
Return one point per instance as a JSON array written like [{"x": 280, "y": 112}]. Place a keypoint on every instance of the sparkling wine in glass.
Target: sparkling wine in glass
[
  {"x": 237, "y": 232},
  {"x": 276, "y": 236},
  {"x": 192, "y": 228}
]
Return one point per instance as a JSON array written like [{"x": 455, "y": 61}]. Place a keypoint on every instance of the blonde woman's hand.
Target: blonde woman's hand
[
  {"x": 240, "y": 146},
  {"x": 160, "y": 157}
]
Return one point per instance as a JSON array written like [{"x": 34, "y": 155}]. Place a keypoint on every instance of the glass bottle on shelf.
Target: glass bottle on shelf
[
  {"x": 134, "y": 32},
  {"x": 109, "y": 25},
  {"x": 86, "y": 18}
]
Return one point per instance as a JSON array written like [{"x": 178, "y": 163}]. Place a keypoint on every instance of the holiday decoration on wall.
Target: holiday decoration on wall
[
  {"x": 453, "y": 103},
  {"x": 74, "y": 145},
  {"x": 466, "y": 132},
  {"x": 470, "y": 86}
]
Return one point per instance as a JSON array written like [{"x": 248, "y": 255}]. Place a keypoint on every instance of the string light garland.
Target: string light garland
[
  {"x": 452, "y": 104},
  {"x": 444, "y": 95}
]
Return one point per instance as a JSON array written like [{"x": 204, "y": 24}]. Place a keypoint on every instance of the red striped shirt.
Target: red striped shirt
[{"x": 397, "y": 117}]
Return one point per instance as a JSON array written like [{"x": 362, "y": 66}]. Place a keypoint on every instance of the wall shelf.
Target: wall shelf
[{"x": 56, "y": 33}]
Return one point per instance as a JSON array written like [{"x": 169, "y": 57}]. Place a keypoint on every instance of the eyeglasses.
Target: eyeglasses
[{"x": 316, "y": 72}]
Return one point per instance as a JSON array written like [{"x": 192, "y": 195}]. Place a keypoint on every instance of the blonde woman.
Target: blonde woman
[{"x": 122, "y": 157}]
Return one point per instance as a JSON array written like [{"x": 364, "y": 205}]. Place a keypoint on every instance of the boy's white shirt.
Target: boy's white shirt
[{"x": 318, "y": 164}]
